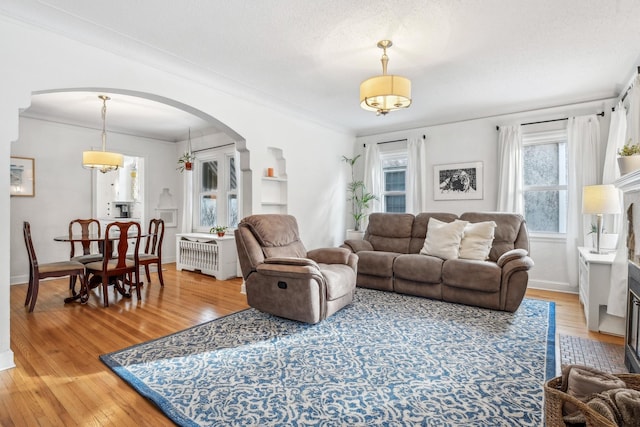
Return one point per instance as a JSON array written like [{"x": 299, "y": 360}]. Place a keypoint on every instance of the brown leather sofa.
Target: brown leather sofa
[
  {"x": 285, "y": 280},
  {"x": 389, "y": 259}
]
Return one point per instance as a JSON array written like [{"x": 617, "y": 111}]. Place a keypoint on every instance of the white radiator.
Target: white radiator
[
  {"x": 207, "y": 253},
  {"x": 200, "y": 256}
]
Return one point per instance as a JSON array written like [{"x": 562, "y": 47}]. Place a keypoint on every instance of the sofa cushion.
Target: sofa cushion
[
  {"x": 508, "y": 231},
  {"x": 419, "y": 229},
  {"x": 443, "y": 239},
  {"x": 389, "y": 232},
  {"x": 471, "y": 274},
  {"x": 418, "y": 268},
  {"x": 340, "y": 279},
  {"x": 376, "y": 263},
  {"x": 477, "y": 240}
]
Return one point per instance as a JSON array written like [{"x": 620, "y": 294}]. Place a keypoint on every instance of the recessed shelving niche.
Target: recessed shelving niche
[{"x": 274, "y": 188}]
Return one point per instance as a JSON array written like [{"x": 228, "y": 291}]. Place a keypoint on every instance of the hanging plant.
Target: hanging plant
[{"x": 186, "y": 162}]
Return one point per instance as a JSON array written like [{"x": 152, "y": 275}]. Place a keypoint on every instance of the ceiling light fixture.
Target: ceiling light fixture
[
  {"x": 386, "y": 92},
  {"x": 104, "y": 161}
]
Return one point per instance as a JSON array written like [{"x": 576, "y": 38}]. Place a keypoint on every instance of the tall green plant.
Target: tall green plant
[{"x": 359, "y": 197}]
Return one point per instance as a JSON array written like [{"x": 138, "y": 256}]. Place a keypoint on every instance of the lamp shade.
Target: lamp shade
[
  {"x": 386, "y": 93},
  {"x": 102, "y": 160},
  {"x": 600, "y": 199}
]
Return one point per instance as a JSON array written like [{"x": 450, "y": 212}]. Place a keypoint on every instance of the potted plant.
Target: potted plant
[
  {"x": 360, "y": 200},
  {"x": 185, "y": 162},
  {"x": 220, "y": 229},
  {"x": 629, "y": 159}
]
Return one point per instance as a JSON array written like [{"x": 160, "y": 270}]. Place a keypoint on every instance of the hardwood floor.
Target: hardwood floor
[{"x": 59, "y": 380}]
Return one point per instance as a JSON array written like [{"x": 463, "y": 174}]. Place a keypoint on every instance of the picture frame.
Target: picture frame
[
  {"x": 22, "y": 177},
  {"x": 169, "y": 216},
  {"x": 458, "y": 181}
]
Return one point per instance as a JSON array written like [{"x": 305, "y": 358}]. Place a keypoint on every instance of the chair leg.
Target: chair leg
[
  {"x": 105, "y": 291},
  {"x": 160, "y": 275},
  {"x": 72, "y": 285},
  {"x": 34, "y": 295},
  {"x": 146, "y": 270},
  {"x": 29, "y": 291}
]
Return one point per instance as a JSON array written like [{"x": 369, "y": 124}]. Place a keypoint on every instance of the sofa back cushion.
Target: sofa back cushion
[
  {"x": 390, "y": 232},
  {"x": 419, "y": 229},
  {"x": 510, "y": 233}
]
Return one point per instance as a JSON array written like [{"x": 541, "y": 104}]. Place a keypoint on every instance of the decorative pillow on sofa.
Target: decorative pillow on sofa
[
  {"x": 477, "y": 240},
  {"x": 443, "y": 238}
]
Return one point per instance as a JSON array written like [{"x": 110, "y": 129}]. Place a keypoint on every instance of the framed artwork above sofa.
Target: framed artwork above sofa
[{"x": 458, "y": 181}]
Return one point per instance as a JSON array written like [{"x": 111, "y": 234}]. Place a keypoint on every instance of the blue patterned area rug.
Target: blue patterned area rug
[{"x": 386, "y": 359}]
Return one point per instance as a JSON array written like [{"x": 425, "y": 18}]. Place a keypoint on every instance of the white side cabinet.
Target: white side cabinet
[
  {"x": 594, "y": 272},
  {"x": 208, "y": 253}
]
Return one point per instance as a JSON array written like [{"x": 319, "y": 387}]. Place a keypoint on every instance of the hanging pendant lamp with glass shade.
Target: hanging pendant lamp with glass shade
[
  {"x": 104, "y": 161},
  {"x": 386, "y": 92}
]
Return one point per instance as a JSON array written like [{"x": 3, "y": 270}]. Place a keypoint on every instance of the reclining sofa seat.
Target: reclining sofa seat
[
  {"x": 390, "y": 260},
  {"x": 285, "y": 280}
]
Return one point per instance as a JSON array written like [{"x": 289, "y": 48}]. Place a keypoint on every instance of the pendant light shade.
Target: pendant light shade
[
  {"x": 386, "y": 92},
  {"x": 104, "y": 161}
]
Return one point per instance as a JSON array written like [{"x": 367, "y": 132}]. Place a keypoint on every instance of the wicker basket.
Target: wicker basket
[{"x": 555, "y": 400}]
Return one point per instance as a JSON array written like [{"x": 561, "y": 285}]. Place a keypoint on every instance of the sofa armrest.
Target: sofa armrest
[
  {"x": 511, "y": 255},
  {"x": 358, "y": 245}
]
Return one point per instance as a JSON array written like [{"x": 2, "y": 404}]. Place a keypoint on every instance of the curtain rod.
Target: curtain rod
[
  {"x": 395, "y": 140},
  {"x": 626, "y": 92},
  {"x": 601, "y": 114},
  {"x": 213, "y": 148}
]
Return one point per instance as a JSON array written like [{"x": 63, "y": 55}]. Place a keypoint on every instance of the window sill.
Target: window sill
[{"x": 547, "y": 237}]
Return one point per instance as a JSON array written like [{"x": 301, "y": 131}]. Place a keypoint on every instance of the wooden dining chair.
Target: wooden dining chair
[
  {"x": 41, "y": 271},
  {"x": 116, "y": 268},
  {"x": 153, "y": 249},
  {"x": 84, "y": 251}
]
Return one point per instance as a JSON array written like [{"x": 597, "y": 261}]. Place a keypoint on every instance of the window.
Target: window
[
  {"x": 394, "y": 181},
  {"x": 545, "y": 181},
  {"x": 216, "y": 202}
]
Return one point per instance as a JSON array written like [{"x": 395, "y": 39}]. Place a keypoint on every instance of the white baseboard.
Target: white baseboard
[
  {"x": 6, "y": 360},
  {"x": 552, "y": 286}
]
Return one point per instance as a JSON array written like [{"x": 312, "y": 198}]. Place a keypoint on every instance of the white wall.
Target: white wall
[
  {"x": 477, "y": 140},
  {"x": 64, "y": 187},
  {"x": 37, "y": 60}
]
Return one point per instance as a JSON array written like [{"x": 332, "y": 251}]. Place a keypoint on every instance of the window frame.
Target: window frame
[
  {"x": 544, "y": 138},
  {"x": 389, "y": 155},
  {"x": 223, "y": 190}
]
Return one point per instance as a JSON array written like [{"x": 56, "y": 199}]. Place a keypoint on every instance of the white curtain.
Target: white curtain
[
  {"x": 510, "y": 169},
  {"x": 416, "y": 175},
  {"x": 627, "y": 127},
  {"x": 583, "y": 140},
  {"x": 187, "y": 202},
  {"x": 372, "y": 177}
]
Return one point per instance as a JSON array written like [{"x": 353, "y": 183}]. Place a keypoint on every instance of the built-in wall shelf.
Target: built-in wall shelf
[{"x": 274, "y": 197}]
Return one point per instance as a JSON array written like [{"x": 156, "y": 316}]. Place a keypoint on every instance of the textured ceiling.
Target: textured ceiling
[{"x": 466, "y": 58}]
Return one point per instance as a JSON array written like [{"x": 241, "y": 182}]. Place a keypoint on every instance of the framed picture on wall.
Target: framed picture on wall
[
  {"x": 458, "y": 181},
  {"x": 23, "y": 177}
]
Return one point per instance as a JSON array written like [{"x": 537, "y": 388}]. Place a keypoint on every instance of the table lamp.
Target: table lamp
[{"x": 600, "y": 200}]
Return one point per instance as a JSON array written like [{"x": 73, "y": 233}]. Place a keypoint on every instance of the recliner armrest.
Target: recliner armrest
[
  {"x": 291, "y": 261},
  {"x": 330, "y": 255},
  {"x": 284, "y": 269},
  {"x": 358, "y": 245}
]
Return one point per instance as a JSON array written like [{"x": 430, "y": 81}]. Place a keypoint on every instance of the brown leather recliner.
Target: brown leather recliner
[{"x": 285, "y": 280}]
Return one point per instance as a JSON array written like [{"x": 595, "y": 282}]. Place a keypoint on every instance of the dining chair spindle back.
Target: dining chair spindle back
[{"x": 116, "y": 268}]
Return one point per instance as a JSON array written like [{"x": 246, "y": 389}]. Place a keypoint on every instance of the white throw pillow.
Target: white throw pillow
[
  {"x": 477, "y": 240},
  {"x": 443, "y": 238}
]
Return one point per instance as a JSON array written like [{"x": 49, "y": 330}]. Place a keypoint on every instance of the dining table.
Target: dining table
[{"x": 95, "y": 280}]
